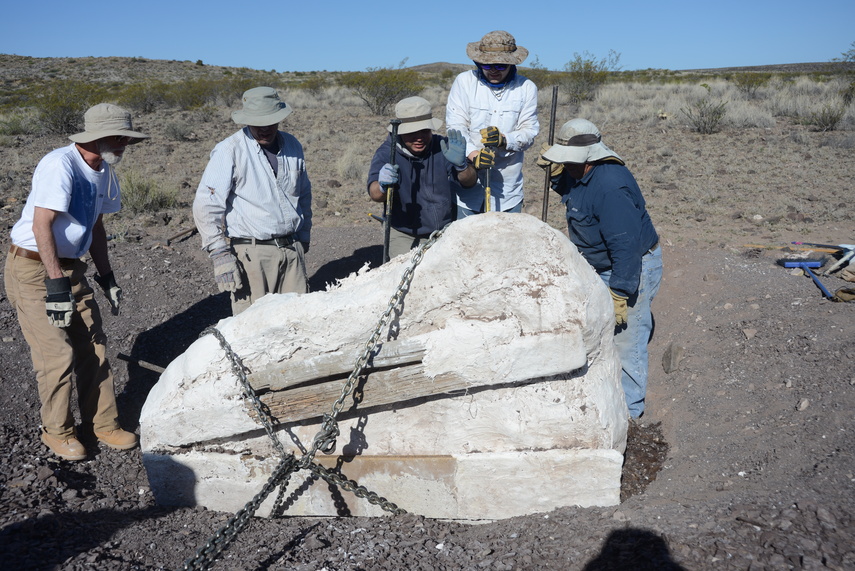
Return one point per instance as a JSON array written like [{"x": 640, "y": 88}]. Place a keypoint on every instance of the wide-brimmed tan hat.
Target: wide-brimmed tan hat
[
  {"x": 261, "y": 107},
  {"x": 107, "y": 120},
  {"x": 497, "y": 47},
  {"x": 415, "y": 115},
  {"x": 579, "y": 141}
]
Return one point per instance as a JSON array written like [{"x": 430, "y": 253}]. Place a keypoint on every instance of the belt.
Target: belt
[
  {"x": 653, "y": 247},
  {"x": 30, "y": 255},
  {"x": 278, "y": 241}
]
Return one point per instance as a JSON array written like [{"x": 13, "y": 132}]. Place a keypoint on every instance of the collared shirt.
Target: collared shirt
[
  {"x": 473, "y": 106},
  {"x": 239, "y": 195},
  {"x": 608, "y": 222},
  {"x": 63, "y": 182}
]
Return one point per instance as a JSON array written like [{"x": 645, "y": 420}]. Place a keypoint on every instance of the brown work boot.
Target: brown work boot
[
  {"x": 118, "y": 439},
  {"x": 66, "y": 447}
]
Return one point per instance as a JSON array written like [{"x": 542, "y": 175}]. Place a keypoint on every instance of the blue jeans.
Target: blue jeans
[{"x": 631, "y": 339}]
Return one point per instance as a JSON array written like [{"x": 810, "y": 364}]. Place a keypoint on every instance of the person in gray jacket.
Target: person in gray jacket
[{"x": 253, "y": 207}]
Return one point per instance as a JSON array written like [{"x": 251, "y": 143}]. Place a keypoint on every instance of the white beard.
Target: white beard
[
  {"x": 107, "y": 154},
  {"x": 110, "y": 158}
]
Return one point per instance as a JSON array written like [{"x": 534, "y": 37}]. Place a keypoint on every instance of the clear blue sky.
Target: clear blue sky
[{"x": 342, "y": 36}]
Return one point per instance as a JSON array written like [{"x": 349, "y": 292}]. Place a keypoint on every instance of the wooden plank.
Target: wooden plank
[
  {"x": 340, "y": 363},
  {"x": 380, "y": 388}
]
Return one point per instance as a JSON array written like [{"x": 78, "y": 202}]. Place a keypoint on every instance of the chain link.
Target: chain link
[{"x": 324, "y": 441}]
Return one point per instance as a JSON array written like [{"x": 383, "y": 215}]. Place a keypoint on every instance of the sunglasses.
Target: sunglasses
[{"x": 496, "y": 66}]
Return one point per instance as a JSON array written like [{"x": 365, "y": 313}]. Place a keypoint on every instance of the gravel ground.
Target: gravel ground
[{"x": 743, "y": 459}]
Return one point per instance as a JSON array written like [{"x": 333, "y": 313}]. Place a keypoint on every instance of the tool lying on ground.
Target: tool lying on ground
[
  {"x": 846, "y": 252},
  {"x": 188, "y": 232},
  {"x": 806, "y": 265},
  {"x": 141, "y": 363}
]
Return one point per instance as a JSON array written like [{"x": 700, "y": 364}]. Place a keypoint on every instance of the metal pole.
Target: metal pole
[
  {"x": 546, "y": 178},
  {"x": 387, "y": 206}
]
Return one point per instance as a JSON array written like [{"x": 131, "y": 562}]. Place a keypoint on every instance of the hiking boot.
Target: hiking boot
[
  {"x": 66, "y": 447},
  {"x": 118, "y": 439}
]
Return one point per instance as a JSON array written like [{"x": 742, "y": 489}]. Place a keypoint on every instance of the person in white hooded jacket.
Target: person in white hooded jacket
[{"x": 496, "y": 109}]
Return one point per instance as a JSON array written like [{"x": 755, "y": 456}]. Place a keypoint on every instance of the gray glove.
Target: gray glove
[
  {"x": 59, "y": 302},
  {"x": 111, "y": 290},
  {"x": 226, "y": 272},
  {"x": 388, "y": 175},
  {"x": 455, "y": 149}
]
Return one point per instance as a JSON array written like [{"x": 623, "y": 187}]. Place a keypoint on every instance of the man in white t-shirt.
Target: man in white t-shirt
[{"x": 73, "y": 187}]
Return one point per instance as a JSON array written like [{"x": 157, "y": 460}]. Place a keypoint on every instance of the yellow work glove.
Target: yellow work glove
[
  {"x": 620, "y": 308},
  {"x": 555, "y": 168},
  {"x": 485, "y": 159},
  {"x": 492, "y": 137}
]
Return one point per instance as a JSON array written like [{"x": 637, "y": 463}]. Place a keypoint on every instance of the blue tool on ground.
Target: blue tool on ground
[
  {"x": 806, "y": 265},
  {"x": 845, "y": 251}
]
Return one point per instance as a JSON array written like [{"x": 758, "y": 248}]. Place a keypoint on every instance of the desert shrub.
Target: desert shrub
[
  {"x": 748, "y": 83},
  {"x": 705, "y": 115},
  {"x": 585, "y": 74},
  {"x": 744, "y": 114},
  {"x": 381, "y": 87},
  {"x": 63, "y": 104},
  {"x": 313, "y": 85},
  {"x": 18, "y": 122},
  {"x": 144, "y": 97},
  {"x": 827, "y": 117},
  {"x": 177, "y": 131},
  {"x": 193, "y": 93},
  {"x": 141, "y": 194}
]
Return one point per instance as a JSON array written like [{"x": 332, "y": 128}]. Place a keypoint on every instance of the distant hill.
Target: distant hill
[{"x": 16, "y": 70}]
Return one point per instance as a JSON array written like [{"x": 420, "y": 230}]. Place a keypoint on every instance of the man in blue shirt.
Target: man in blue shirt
[
  {"x": 609, "y": 224},
  {"x": 426, "y": 165}
]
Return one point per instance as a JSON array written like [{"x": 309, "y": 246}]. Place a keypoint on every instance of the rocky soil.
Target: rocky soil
[{"x": 744, "y": 459}]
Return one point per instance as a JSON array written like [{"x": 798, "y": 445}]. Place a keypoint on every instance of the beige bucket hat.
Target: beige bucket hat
[
  {"x": 497, "y": 47},
  {"x": 107, "y": 120},
  {"x": 579, "y": 141},
  {"x": 261, "y": 107},
  {"x": 415, "y": 115}
]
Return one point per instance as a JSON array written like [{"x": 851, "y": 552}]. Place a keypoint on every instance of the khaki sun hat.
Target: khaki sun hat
[
  {"x": 415, "y": 115},
  {"x": 497, "y": 47},
  {"x": 107, "y": 120},
  {"x": 578, "y": 141},
  {"x": 261, "y": 107}
]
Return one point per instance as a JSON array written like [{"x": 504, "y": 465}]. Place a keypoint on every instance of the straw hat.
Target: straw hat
[
  {"x": 107, "y": 120},
  {"x": 261, "y": 107},
  {"x": 497, "y": 47},
  {"x": 415, "y": 115},
  {"x": 578, "y": 141}
]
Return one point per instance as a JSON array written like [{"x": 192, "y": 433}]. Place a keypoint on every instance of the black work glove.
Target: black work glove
[
  {"x": 485, "y": 159},
  {"x": 59, "y": 302},
  {"x": 111, "y": 290}
]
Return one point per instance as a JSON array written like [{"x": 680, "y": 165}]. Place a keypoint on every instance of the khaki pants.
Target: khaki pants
[
  {"x": 265, "y": 268},
  {"x": 56, "y": 353},
  {"x": 401, "y": 242}
]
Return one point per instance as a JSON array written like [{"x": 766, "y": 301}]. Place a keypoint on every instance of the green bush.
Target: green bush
[
  {"x": 748, "y": 82},
  {"x": 144, "y": 97},
  {"x": 63, "y": 104},
  {"x": 314, "y": 85},
  {"x": 380, "y": 88},
  {"x": 585, "y": 74},
  {"x": 140, "y": 194}
]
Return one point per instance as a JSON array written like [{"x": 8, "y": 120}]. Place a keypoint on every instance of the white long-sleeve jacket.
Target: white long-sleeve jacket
[
  {"x": 471, "y": 107},
  {"x": 240, "y": 197}
]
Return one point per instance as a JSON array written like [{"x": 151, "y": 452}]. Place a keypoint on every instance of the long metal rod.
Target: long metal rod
[
  {"x": 387, "y": 206},
  {"x": 546, "y": 178}
]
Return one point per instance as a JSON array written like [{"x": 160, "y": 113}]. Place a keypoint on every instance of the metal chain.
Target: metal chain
[{"x": 324, "y": 441}]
